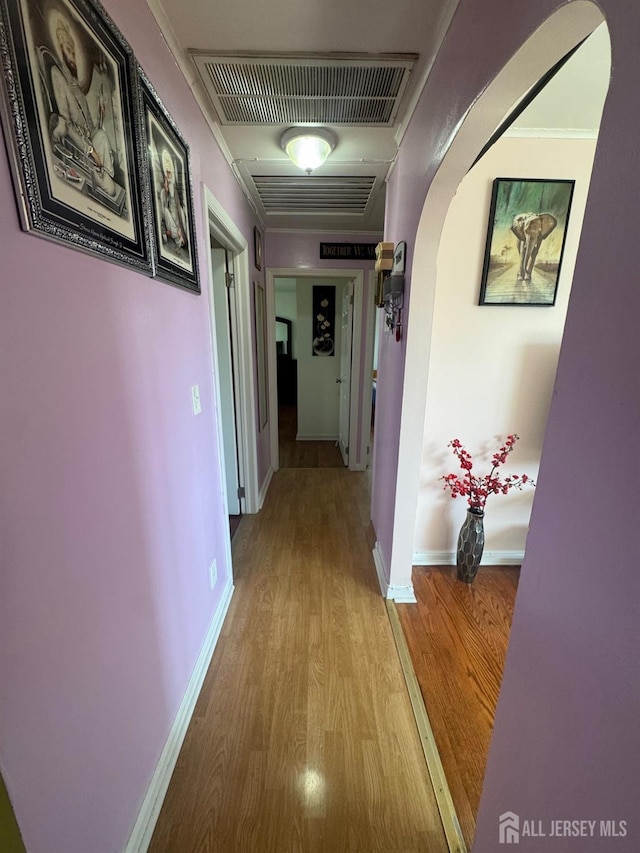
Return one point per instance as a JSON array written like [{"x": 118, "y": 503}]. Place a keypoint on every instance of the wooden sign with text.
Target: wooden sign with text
[{"x": 348, "y": 251}]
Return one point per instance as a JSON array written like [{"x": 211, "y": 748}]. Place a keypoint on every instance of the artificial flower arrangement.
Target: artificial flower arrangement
[{"x": 477, "y": 489}]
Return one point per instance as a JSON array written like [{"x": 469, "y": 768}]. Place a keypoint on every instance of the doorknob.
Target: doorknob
[{"x": 338, "y": 381}]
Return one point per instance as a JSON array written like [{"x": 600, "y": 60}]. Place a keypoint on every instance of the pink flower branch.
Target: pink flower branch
[{"x": 477, "y": 489}]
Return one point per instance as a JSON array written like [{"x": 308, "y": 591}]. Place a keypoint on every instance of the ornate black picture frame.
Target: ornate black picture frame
[
  {"x": 73, "y": 128},
  {"x": 257, "y": 248},
  {"x": 175, "y": 257},
  {"x": 525, "y": 241}
]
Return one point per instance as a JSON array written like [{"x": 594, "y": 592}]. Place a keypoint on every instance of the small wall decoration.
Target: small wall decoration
[
  {"x": 399, "y": 257},
  {"x": 174, "y": 246},
  {"x": 347, "y": 251},
  {"x": 525, "y": 241},
  {"x": 72, "y": 121},
  {"x": 257, "y": 246},
  {"x": 324, "y": 319}
]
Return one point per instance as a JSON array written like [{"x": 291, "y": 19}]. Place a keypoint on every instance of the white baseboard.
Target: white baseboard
[
  {"x": 448, "y": 558},
  {"x": 265, "y": 488},
  {"x": 148, "y": 815},
  {"x": 400, "y": 594},
  {"x": 380, "y": 571},
  {"x": 317, "y": 437}
]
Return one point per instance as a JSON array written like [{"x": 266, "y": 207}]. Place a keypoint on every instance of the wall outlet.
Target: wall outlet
[
  {"x": 213, "y": 573},
  {"x": 195, "y": 399}
]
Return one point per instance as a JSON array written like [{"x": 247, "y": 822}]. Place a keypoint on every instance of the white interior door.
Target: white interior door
[
  {"x": 345, "y": 371},
  {"x": 227, "y": 412}
]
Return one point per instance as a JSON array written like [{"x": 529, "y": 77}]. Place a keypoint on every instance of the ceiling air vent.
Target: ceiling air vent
[
  {"x": 312, "y": 194},
  {"x": 277, "y": 90}
]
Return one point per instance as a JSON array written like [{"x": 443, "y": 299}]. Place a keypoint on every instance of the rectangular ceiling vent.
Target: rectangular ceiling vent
[
  {"x": 361, "y": 91},
  {"x": 314, "y": 194}
]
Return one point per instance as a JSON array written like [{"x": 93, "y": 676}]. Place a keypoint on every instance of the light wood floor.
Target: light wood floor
[
  {"x": 303, "y": 739},
  {"x": 303, "y": 454},
  {"x": 457, "y": 637}
]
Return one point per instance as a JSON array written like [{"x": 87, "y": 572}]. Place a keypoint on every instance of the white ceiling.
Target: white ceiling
[
  {"x": 573, "y": 100},
  {"x": 320, "y": 27}
]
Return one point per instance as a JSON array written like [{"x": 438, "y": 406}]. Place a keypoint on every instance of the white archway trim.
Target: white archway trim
[
  {"x": 226, "y": 231},
  {"x": 546, "y": 46}
]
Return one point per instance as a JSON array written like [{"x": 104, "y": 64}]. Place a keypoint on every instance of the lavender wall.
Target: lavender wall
[
  {"x": 288, "y": 249},
  {"x": 111, "y": 508},
  {"x": 567, "y": 729},
  {"x": 420, "y": 155}
]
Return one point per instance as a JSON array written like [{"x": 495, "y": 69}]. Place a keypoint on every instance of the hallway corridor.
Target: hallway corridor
[
  {"x": 303, "y": 739},
  {"x": 303, "y": 454}
]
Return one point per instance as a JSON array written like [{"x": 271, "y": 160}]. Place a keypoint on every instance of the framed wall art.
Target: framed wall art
[
  {"x": 72, "y": 122},
  {"x": 525, "y": 241},
  {"x": 324, "y": 319},
  {"x": 257, "y": 247},
  {"x": 169, "y": 172}
]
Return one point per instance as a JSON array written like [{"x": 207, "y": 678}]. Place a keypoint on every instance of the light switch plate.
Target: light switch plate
[{"x": 195, "y": 398}]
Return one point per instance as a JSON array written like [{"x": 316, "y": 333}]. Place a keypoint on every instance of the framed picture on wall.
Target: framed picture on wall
[
  {"x": 175, "y": 258},
  {"x": 324, "y": 319},
  {"x": 72, "y": 124},
  {"x": 257, "y": 248},
  {"x": 525, "y": 241}
]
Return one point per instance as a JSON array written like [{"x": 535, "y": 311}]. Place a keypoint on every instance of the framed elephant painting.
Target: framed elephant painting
[{"x": 525, "y": 241}]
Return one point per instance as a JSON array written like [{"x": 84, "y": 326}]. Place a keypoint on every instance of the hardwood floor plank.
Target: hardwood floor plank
[
  {"x": 457, "y": 637},
  {"x": 303, "y": 738},
  {"x": 303, "y": 454}
]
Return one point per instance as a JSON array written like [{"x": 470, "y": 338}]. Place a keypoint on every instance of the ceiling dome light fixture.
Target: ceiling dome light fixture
[{"x": 308, "y": 148}]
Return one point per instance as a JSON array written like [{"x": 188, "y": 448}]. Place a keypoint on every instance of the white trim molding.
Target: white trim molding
[
  {"x": 147, "y": 818},
  {"x": 380, "y": 570},
  {"x": 317, "y": 437},
  {"x": 356, "y": 232},
  {"x": 356, "y": 399},
  {"x": 400, "y": 594},
  {"x": 448, "y": 558},
  {"x": 227, "y": 232},
  {"x": 551, "y": 133},
  {"x": 265, "y": 488}
]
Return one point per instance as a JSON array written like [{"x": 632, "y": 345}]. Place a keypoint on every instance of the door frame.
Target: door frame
[
  {"x": 356, "y": 462},
  {"x": 224, "y": 317},
  {"x": 225, "y": 231},
  {"x": 348, "y": 299},
  {"x": 372, "y": 318}
]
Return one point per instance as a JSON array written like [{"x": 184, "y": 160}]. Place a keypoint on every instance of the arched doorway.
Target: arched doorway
[
  {"x": 427, "y": 279},
  {"x": 547, "y": 46}
]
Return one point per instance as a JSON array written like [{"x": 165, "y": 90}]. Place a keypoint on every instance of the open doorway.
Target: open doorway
[
  {"x": 226, "y": 337},
  {"x": 309, "y": 344},
  {"x": 458, "y": 635},
  {"x": 234, "y": 364},
  {"x": 320, "y": 368}
]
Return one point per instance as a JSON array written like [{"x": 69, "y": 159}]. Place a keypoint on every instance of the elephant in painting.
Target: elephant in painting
[{"x": 531, "y": 229}]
